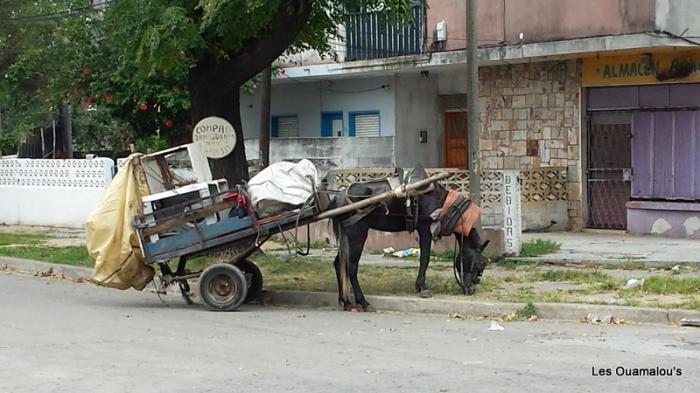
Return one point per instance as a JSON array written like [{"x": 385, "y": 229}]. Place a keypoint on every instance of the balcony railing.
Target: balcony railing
[{"x": 369, "y": 35}]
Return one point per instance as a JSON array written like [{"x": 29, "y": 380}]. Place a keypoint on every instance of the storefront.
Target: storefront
[{"x": 643, "y": 140}]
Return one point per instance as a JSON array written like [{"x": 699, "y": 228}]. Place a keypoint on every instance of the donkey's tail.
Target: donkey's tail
[{"x": 343, "y": 258}]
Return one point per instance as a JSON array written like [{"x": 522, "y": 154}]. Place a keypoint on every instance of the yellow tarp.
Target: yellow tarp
[{"x": 112, "y": 242}]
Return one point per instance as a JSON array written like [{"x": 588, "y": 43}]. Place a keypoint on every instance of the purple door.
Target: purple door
[
  {"x": 665, "y": 146},
  {"x": 608, "y": 175}
]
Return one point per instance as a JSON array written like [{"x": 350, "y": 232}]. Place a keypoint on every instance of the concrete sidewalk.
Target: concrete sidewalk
[{"x": 613, "y": 247}]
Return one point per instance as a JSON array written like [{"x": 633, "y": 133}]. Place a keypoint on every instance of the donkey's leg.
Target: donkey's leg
[
  {"x": 345, "y": 240},
  {"x": 342, "y": 301},
  {"x": 470, "y": 266},
  {"x": 357, "y": 244},
  {"x": 425, "y": 239}
]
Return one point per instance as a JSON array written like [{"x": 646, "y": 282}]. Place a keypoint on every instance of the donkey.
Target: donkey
[{"x": 351, "y": 230}]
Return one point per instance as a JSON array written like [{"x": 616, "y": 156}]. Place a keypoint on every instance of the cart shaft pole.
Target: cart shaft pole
[{"x": 398, "y": 192}]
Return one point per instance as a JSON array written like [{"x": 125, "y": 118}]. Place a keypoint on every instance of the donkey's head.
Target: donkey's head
[{"x": 469, "y": 263}]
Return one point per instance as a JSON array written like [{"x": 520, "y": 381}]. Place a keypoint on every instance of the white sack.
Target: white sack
[{"x": 283, "y": 183}]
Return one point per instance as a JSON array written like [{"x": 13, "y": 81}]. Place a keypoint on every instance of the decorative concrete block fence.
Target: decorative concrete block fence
[{"x": 51, "y": 192}]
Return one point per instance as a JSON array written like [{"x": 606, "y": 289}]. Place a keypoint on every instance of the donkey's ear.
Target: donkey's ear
[{"x": 483, "y": 246}]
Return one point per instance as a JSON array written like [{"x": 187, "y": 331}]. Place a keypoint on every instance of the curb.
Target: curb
[
  {"x": 563, "y": 261},
  {"x": 468, "y": 308},
  {"x": 481, "y": 309},
  {"x": 37, "y": 267}
]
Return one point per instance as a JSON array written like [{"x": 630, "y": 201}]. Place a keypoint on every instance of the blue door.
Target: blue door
[{"x": 331, "y": 123}]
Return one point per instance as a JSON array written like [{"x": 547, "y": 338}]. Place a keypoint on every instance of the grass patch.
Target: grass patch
[
  {"x": 73, "y": 255},
  {"x": 444, "y": 255},
  {"x": 692, "y": 304},
  {"x": 537, "y": 247},
  {"x": 312, "y": 274},
  {"x": 510, "y": 264},
  {"x": 526, "y": 312},
  {"x": 7, "y": 239},
  {"x": 664, "y": 285},
  {"x": 628, "y": 265},
  {"x": 601, "y": 280},
  {"x": 514, "y": 264}
]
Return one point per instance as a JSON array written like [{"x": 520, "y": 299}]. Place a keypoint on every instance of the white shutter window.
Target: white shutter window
[
  {"x": 287, "y": 127},
  {"x": 367, "y": 124}
]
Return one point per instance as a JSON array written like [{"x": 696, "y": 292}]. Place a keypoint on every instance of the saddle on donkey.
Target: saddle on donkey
[{"x": 458, "y": 214}]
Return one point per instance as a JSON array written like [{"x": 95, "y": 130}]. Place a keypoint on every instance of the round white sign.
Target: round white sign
[{"x": 217, "y": 136}]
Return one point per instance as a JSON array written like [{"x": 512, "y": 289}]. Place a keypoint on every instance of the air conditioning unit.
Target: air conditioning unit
[{"x": 441, "y": 32}]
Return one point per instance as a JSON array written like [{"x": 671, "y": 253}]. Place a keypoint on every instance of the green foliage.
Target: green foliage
[
  {"x": 8, "y": 142},
  {"x": 537, "y": 247},
  {"x": 72, "y": 255},
  {"x": 97, "y": 130},
  {"x": 151, "y": 143},
  {"x": 514, "y": 263},
  {"x": 127, "y": 68},
  {"x": 526, "y": 312},
  {"x": 318, "y": 275},
  {"x": 21, "y": 238},
  {"x": 574, "y": 275},
  {"x": 664, "y": 285}
]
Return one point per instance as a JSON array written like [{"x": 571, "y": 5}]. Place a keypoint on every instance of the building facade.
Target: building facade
[{"x": 604, "y": 88}]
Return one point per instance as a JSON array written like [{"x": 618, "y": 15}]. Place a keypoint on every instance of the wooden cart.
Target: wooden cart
[{"x": 224, "y": 223}]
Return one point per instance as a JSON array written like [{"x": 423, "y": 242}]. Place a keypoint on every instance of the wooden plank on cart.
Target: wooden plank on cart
[
  {"x": 398, "y": 192},
  {"x": 199, "y": 234},
  {"x": 189, "y": 216},
  {"x": 262, "y": 231}
]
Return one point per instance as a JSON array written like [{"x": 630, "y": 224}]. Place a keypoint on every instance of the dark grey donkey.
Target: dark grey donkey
[{"x": 394, "y": 216}]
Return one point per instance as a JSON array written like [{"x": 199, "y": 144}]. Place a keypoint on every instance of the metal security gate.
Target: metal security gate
[
  {"x": 609, "y": 171},
  {"x": 665, "y": 155}
]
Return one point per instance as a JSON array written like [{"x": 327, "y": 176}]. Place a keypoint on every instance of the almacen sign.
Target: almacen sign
[
  {"x": 642, "y": 69},
  {"x": 217, "y": 135}
]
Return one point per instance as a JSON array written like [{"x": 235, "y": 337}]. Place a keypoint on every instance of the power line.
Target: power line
[{"x": 662, "y": 33}]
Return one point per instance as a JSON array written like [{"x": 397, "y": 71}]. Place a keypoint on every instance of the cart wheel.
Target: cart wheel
[
  {"x": 222, "y": 287},
  {"x": 253, "y": 278}
]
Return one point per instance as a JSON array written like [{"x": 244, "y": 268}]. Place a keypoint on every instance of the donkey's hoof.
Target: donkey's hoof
[{"x": 426, "y": 294}]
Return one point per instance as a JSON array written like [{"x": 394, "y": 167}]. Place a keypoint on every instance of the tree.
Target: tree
[
  {"x": 218, "y": 45},
  {"x": 25, "y": 40},
  {"x": 165, "y": 64}
]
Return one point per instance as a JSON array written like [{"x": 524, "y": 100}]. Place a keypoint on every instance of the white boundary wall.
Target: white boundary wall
[{"x": 51, "y": 192}]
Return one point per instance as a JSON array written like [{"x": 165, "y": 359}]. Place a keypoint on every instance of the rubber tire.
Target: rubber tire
[
  {"x": 254, "y": 279},
  {"x": 234, "y": 274}
]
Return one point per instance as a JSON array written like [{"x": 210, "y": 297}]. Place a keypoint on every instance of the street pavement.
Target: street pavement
[{"x": 59, "y": 336}]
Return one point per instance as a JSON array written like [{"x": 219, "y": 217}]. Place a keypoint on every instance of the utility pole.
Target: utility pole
[
  {"x": 473, "y": 122},
  {"x": 265, "y": 92}
]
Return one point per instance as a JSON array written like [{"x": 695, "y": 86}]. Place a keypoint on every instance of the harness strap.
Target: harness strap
[
  {"x": 358, "y": 215},
  {"x": 355, "y": 218}
]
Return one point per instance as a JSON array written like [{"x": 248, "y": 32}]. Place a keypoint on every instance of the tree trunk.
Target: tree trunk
[
  {"x": 265, "y": 93},
  {"x": 215, "y": 82},
  {"x": 66, "y": 127},
  {"x": 211, "y": 96}
]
